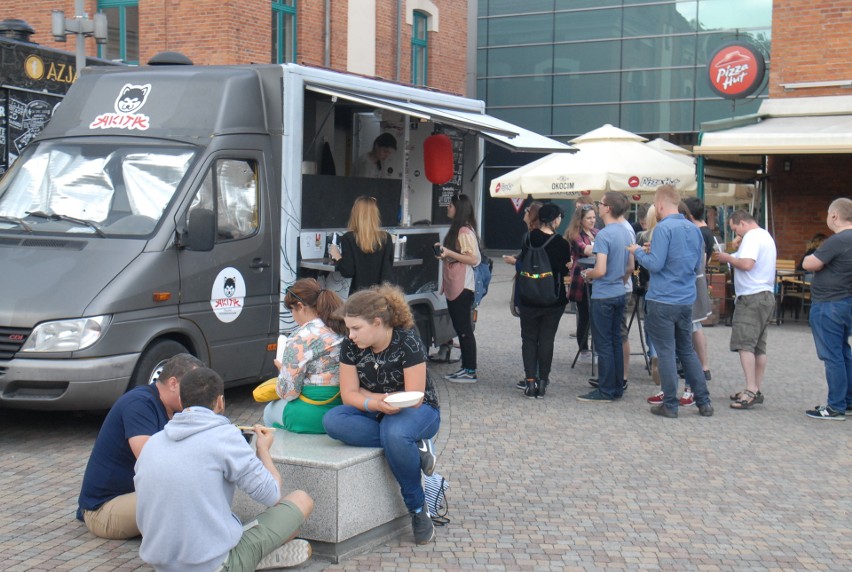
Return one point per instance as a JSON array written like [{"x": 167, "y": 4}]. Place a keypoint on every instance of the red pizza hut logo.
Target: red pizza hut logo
[
  {"x": 636, "y": 196},
  {"x": 585, "y": 193},
  {"x": 633, "y": 182},
  {"x": 736, "y": 70}
]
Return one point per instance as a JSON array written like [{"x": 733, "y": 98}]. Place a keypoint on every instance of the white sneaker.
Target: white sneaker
[{"x": 291, "y": 553}]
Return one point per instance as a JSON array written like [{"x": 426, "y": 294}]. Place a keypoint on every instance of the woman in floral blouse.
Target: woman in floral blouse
[{"x": 308, "y": 382}]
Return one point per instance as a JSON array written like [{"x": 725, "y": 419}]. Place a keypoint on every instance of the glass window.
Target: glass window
[
  {"x": 587, "y": 88},
  {"x": 588, "y": 25},
  {"x": 659, "y": 19},
  {"x": 716, "y": 109},
  {"x": 498, "y": 7},
  {"x": 517, "y": 61},
  {"x": 580, "y": 4},
  {"x": 530, "y": 90},
  {"x": 733, "y": 14},
  {"x": 533, "y": 118},
  {"x": 576, "y": 119},
  {"x": 534, "y": 29},
  {"x": 122, "y": 30},
  {"x": 645, "y": 85},
  {"x": 420, "y": 48},
  {"x": 231, "y": 185},
  {"x": 283, "y": 31},
  {"x": 668, "y": 51},
  {"x": 661, "y": 117},
  {"x": 587, "y": 56}
]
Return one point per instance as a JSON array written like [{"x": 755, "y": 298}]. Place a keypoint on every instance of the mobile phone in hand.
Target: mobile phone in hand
[{"x": 438, "y": 249}]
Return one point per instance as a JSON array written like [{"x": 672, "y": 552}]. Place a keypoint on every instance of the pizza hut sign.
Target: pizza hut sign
[{"x": 736, "y": 70}]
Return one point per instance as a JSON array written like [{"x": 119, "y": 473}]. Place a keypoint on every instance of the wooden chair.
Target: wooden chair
[{"x": 786, "y": 276}]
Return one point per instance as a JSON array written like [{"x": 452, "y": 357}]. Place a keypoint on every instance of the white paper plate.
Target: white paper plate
[{"x": 404, "y": 399}]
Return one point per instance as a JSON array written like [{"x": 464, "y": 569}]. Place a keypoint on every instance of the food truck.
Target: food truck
[{"x": 165, "y": 209}]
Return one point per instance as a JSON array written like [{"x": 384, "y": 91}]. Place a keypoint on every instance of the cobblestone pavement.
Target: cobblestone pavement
[{"x": 551, "y": 484}]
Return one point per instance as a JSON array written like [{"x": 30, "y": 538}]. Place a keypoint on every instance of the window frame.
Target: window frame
[
  {"x": 419, "y": 47},
  {"x": 122, "y": 6},
  {"x": 282, "y": 10}
]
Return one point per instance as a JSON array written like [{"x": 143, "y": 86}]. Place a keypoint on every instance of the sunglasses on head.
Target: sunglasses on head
[
  {"x": 587, "y": 208},
  {"x": 288, "y": 292}
]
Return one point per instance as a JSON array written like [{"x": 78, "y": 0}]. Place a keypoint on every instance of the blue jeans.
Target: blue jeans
[
  {"x": 831, "y": 325},
  {"x": 397, "y": 434},
  {"x": 670, "y": 330},
  {"x": 606, "y": 335}
]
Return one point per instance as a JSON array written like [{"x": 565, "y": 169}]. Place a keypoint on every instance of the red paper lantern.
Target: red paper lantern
[{"x": 438, "y": 158}]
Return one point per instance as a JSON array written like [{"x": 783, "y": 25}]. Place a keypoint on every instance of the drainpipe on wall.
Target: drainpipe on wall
[
  {"x": 327, "y": 35},
  {"x": 398, "y": 40}
]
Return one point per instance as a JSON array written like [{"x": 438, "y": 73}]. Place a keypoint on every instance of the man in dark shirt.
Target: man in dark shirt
[
  {"x": 107, "y": 502},
  {"x": 831, "y": 310}
]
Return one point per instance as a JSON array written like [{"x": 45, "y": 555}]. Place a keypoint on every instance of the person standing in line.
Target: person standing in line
[
  {"x": 831, "y": 310},
  {"x": 673, "y": 261},
  {"x": 754, "y": 286},
  {"x": 367, "y": 250},
  {"x": 384, "y": 355},
  {"x": 695, "y": 208},
  {"x": 629, "y": 303},
  {"x": 460, "y": 253},
  {"x": 613, "y": 267},
  {"x": 540, "y": 323},
  {"x": 581, "y": 236},
  {"x": 107, "y": 502},
  {"x": 532, "y": 222},
  {"x": 186, "y": 477}
]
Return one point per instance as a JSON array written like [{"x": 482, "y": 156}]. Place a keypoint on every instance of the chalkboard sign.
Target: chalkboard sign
[
  {"x": 442, "y": 194},
  {"x": 327, "y": 200}
]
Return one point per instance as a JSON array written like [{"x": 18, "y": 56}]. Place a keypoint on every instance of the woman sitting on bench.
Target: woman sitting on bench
[{"x": 384, "y": 355}]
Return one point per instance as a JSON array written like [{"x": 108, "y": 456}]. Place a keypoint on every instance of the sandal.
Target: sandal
[
  {"x": 739, "y": 395},
  {"x": 747, "y": 400}
]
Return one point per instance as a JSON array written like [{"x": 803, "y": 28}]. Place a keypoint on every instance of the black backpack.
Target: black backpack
[{"x": 536, "y": 284}]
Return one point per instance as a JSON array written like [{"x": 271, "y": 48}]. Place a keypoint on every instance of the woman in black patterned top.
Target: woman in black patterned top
[{"x": 384, "y": 355}]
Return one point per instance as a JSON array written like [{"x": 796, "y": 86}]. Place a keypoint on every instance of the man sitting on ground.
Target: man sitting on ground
[
  {"x": 185, "y": 482},
  {"x": 107, "y": 501}
]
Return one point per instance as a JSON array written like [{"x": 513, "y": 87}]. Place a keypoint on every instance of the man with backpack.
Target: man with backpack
[
  {"x": 613, "y": 267},
  {"x": 542, "y": 266}
]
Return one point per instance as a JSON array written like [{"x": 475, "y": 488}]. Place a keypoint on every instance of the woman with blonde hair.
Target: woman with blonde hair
[
  {"x": 366, "y": 252},
  {"x": 308, "y": 383},
  {"x": 382, "y": 356}
]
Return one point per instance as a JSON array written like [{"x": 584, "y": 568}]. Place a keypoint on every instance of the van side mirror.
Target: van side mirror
[{"x": 202, "y": 230}]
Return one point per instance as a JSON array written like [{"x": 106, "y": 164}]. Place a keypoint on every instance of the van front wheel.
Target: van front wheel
[{"x": 152, "y": 361}]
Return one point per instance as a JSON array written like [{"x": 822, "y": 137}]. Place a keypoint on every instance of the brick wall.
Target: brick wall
[
  {"x": 215, "y": 32},
  {"x": 811, "y": 41},
  {"x": 801, "y": 197}
]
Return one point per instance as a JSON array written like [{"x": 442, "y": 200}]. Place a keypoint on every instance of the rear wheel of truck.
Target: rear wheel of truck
[{"x": 152, "y": 361}]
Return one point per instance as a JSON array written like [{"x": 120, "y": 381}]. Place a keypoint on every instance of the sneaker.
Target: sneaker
[
  {"x": 289, "y": 554},
  {"x": 422, "y": 526},
  {"x": 663, "y": 411},
  {"x": 594, "y": 397},
  {"x": 531, "y": 388},
  {"x": 542, "y": 388},
  {"x": 455, "y": 373},
  {"x": 463, "y": 376},
  {"x": 707, "y": 376},
  {"x": 705, "y": 410},
  {"x": 687, "y": 399},
  {"x": 585, "y": 357},
  {"x": 522, "y": 385},
  {"x": 427, "y": 456},
  {"x": 827, "y": 413},
  {"x": 656, "y": 399},
  {"x": 594, "y": 383}
]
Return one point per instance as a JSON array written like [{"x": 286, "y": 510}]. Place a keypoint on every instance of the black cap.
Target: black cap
[{"x": 549, "y": 213}]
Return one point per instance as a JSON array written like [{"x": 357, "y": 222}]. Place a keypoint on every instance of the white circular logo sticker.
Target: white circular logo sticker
[{"x": 228, "y": 295}]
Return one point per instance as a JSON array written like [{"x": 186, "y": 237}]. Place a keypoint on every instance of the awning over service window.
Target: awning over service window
[
  {"x": 792, "y": 126},
  {"x": 495, "y": 130}
]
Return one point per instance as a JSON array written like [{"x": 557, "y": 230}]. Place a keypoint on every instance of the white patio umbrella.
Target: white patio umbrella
[
  {"x": 716, "y": 193},
  {"x": 608, "y": 159}
]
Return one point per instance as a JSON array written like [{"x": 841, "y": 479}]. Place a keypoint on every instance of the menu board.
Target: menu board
[{"x": 442, "y": 194}]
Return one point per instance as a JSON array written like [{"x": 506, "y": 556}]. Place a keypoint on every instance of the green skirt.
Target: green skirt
[{"x": 302, "y": 416}]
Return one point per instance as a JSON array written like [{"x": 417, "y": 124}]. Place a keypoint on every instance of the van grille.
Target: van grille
[{"x": 11, "y": 340}]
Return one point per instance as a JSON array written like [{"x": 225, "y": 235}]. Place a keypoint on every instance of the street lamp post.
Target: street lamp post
[{"x": 81, "y": 26}]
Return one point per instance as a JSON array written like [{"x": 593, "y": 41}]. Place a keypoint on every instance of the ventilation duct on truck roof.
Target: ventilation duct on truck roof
[
  {"x": 16, "y": 29},
  {"x": 170, "y": 59}
]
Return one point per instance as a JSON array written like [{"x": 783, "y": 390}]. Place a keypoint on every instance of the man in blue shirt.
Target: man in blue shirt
[
  {"x": 107, "y": 502},
  {"x": 613, "y": 267},
  {"x": 673, "y": 261}
]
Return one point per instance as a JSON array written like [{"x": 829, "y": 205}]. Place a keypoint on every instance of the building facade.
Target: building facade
[{"x": 422, "y": 42}]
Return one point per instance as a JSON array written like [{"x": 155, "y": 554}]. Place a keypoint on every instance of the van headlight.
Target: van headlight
[{"x": 66, "y": 335}]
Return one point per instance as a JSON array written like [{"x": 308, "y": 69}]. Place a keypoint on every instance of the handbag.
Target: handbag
[
  {"x": 266, "y": 391},
  {"x": 435, "y": 488},
  {"x": 513, "y": 300}
]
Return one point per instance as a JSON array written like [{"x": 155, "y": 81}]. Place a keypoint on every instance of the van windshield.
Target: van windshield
[{"x": 106, "y": 190}]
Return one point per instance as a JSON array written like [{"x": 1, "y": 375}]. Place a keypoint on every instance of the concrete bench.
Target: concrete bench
[{"x": 357, "y": 500}]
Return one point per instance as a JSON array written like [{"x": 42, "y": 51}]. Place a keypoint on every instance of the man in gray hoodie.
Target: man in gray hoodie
[{"x": 185, "y": 481}]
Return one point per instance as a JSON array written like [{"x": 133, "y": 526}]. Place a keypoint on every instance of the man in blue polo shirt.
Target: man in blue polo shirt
[
  {"x": 673, "y": 261},
  {"x": 107, "y": 502}
]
